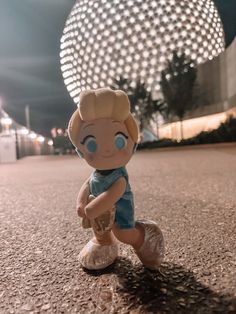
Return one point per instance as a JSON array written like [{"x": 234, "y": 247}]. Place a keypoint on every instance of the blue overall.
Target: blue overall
[{"x": 99, "y": 183}]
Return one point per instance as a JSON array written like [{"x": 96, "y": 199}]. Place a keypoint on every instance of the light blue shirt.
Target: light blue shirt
[{"x": 100, "y": 183}]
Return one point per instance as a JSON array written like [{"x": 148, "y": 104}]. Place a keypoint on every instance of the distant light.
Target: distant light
[
  {"x": 192, "y": 127},
  {"x": 60, "y": 131},
  {"x": 50, "y": 143},
  {"x": 32, "y": 136},
  {"x": 40, "y": 139},
  {"x": 23, "y": 131},
  {"x": 6, "y": 121}
]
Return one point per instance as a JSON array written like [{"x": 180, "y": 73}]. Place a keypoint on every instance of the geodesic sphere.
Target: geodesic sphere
[{"x": 106, "y": 39}]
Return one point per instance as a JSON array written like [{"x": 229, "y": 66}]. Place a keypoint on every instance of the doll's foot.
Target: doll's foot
[
  {"x": 152, "y": 251},
  {"x": 96, "y": 256}
]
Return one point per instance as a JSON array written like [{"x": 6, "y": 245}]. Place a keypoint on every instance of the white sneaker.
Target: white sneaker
[
  {"x": 96, "y": 256},
  {"x": 151, "y": 253}
]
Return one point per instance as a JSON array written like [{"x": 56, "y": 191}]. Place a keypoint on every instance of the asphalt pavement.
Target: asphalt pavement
[{"x": 190, "y": 192}]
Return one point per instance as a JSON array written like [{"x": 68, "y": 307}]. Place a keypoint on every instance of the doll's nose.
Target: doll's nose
[
  {"x": 107, "y": 151},
  {"x": 107, "y": 148}
]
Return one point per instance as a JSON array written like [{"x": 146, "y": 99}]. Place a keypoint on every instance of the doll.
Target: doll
[{"x": 105, "y": 134}]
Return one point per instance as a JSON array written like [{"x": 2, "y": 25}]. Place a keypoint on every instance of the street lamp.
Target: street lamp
[{"x": 6, "y": 122}]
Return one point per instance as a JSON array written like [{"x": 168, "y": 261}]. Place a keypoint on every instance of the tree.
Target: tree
[
  {"x": 123, "y": 84},
  {"x": 141, "y": 101},
  {"x": 177, "y": 84}
]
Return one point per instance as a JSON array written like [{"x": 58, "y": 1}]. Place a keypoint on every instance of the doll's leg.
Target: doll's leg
[
  {"x": 102, "y": 250},
  {"x": 131, "y": 236},
  {"x": 103, "y": 239},
  {"x": 147, "y": 240}
]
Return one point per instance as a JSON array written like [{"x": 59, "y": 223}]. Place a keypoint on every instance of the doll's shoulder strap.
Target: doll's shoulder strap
[
  {"x": 124, "y": 173},
  {"x": 114, "y": 176}
]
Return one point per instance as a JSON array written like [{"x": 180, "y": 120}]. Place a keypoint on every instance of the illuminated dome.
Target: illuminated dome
[{"x": 104, "y": 39}]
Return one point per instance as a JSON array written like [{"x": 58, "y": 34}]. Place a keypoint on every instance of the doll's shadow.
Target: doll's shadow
[{"x": 173, "y": 289}]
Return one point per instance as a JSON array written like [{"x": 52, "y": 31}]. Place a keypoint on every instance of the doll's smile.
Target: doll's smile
[{"x": 107, "y": 156}]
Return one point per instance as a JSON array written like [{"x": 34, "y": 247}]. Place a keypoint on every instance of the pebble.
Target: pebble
[
  {"x": 181, "y": 289},
  {"x": 229, "y": 254},
  {"x": 26, "y": 307},
  {"x": 46, "y": 307},
  {"x": 182, "y": 301},
  {"x": 106, "y": 295},
  {"x": 163, "y": 290}
]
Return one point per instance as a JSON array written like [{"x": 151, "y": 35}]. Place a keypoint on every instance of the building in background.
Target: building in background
[
  {"x": 217, "y": 81},
  {"x": 16, "y": 141}
]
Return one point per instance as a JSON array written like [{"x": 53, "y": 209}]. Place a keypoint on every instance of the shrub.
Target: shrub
[{"x": 226, "y": 132}]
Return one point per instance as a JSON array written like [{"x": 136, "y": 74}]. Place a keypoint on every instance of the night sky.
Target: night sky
[{"x": 30, "y": 32}]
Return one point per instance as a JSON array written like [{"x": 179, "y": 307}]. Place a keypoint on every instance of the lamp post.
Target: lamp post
[
  {"x": 17, "y": 144},
  {"x": 27, "y": 116}
]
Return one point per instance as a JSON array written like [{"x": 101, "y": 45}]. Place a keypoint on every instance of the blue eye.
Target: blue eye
[
  {"x": 91, "y": 144},
  {"x": 120, "y": 141}
]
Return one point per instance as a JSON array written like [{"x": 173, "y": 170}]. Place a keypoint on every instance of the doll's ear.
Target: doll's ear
[{"x": 80, "y": 154}]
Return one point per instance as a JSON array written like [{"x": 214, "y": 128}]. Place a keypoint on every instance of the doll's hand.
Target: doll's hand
[
  {"x": 86, "y": 223},
  {"x": 82, "y": 199},
  {"x": 80, "y": 210},
  {"x": 104, "y": 222},
  {"x": 81, "y": 207}
]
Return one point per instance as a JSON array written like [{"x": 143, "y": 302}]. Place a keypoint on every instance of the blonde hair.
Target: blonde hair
[{"x": 102, "y": 103}]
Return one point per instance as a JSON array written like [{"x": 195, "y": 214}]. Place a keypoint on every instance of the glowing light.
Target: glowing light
[
  {"x": 32, "y": 136},
  {"x": 50, "y": 143},
  {"x": 40, "y": 139},
  {"x": 104, "y": 39},
  {"x": 6, "y": 121},
  {"x": 23, "y": 131},
  {"x": 192, "y": 127}
]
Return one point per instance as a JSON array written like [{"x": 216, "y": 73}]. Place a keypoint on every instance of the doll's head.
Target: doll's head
[{"x": 103, "y": 129}]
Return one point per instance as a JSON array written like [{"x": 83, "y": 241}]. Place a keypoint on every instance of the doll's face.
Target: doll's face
[{"x": 105, "y": 143}]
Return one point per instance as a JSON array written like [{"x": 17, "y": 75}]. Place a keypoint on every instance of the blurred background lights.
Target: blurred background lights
[
  {"x": 6, "y": 121},
  {"x": 40, "y": 139},
  {"x": 23, "y": 131},
  {"x": 33, "y": 135},
  {"x": 109, "y": 38}
]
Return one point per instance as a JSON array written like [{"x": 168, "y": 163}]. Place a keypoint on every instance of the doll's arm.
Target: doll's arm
[
  {"x": 82, "y": 198},
  {"x": 106, "y": 200}
]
